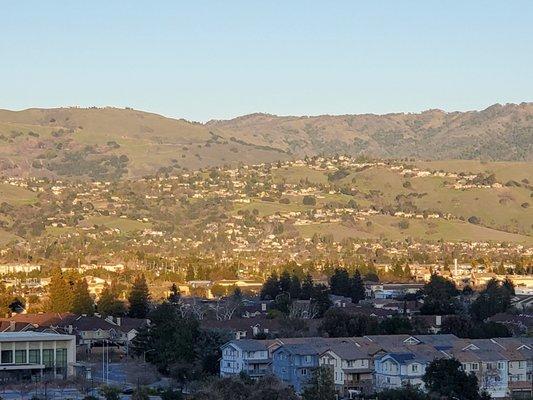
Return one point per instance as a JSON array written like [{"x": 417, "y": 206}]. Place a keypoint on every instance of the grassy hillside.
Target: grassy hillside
[
  {"x": 503, "y": 211},
  {"x": 111, "y": 143}
]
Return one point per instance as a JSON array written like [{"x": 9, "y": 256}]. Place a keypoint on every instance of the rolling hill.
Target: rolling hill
[{"x": 110, "y": 143}]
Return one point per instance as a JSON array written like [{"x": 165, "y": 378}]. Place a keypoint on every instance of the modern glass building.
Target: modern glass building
[{"x": 36, "y": 356}]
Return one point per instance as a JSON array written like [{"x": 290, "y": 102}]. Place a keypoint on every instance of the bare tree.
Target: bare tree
[
  {"x": 198, "y": 309},
  {"x": 303, "y": 310},
  {"x": 225, "y": 309}
]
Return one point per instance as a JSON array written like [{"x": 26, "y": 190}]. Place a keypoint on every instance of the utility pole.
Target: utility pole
[{"x": 107, "y": 370}]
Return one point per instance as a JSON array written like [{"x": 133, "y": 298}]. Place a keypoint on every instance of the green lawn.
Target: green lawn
[
  {"x": 16, "y": 195},
  {"x": 124, "y": 224}
]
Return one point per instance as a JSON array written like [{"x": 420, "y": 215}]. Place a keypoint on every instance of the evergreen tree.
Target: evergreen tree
[
  {"x": 295, "y": 288},
  {"x": 440, "y": 296},
  {"x": 285, "y": 282},
  {"x": 395, "y": 326},
  {"x": 270, "y": 288},
  {"x": 82, "y": 302},
  {"x": 321, "y": 385},
  {"x": 237, "y": 294},
  {"x": 357, "y": 290},
  {"x": 60, "y": 295},
  {"x": 139, "y": 298},
  {"x": 339, "y": 282},
  {"x": 175, "y": 295},
  {"x": 109, "y": 303},
  {"x": 308, "y": 287},
  {"x": 321, "y": 299},
  {"x": 445, "y": 377},
  {"x": 6, "y": 298},
  {"x": 169, "y": 339},
  {"x": 495, "y": 298},
  {"x": 508, "y": 285}
]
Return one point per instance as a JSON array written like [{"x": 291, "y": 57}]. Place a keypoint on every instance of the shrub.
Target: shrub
[{"x": 309, "y": 201}]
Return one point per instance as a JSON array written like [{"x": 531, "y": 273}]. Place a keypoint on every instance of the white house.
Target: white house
[{"x": 245, "y": 356}]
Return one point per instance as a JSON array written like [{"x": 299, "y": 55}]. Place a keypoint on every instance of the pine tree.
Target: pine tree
[
  {"x": 308, "y": 287},
  {"x": 339, "y": 282},
  {"x": 60, "y": 294},
  {"x": 175, "y": 295},
  {"x": 82, "y": 302},
  {"x": 321, "y": 385},
  {"x": 285, "y": 282},
  {"x": 295, "y": 288},
  {"x": 139, "y": 298},
  {"x": 270, "y": 288},
  {"x": 109, "y": 303},
  {"x": 357, "y": 291}
]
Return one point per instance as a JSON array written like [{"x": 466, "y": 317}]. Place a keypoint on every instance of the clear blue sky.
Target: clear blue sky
[{"x": 219, "y": 59}]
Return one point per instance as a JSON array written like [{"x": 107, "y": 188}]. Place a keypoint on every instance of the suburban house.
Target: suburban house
[
  {"x": 364, "y": 365},
  {"x": 488, "y": 361},
  {"x": 352, "y": 365},
  {"x": 404, "y": 366},
  {"x": 88, "y": 330},
  {"x": 245, "y": 356},
  {"x": 293, "y": 364}
]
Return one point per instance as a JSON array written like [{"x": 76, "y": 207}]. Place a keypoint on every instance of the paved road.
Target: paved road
[{"x": 115, "y": 376}]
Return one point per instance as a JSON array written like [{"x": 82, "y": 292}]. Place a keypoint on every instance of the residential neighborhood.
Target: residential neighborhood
[{"x": 373, "y": 363}]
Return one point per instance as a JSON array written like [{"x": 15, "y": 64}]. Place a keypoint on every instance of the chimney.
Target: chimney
[
  {"x": 12, "y": 325},
  {"x": 263, "y": 307},
  {"x": 438, "y": 320},
  {"x": 119, "y": 321},
  {"x": 70, "y": 328}
]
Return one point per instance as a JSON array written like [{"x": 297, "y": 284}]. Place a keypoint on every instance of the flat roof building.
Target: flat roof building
[{"x": 36, "y": 355}]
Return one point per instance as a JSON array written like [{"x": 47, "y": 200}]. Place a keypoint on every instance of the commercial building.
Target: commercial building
[{"x": 36, "y": 355}]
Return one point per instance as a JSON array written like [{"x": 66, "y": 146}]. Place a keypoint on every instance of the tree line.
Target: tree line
[{"x": 72, "y": 295}]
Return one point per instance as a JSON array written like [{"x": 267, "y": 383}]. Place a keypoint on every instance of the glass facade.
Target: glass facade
[
  {"x": 26, "y": 361},
  {"x": 7, "y": 356},
  {"x": 48, "y": 358},
  {"x": 61, "y": 358},
  {"x": 20, "y": 357},
  {"x": 35, "y": 356}
]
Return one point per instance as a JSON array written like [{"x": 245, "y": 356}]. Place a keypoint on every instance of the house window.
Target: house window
[
  {"x": 501, "y": 366},
  {"x": 7, "y": 357},
  {"x": 414, "y": 368},
  {"x": 304, "y": 371},
  {"x": 35, "y": 357},
  {"x": 20, "y": 356},
  {"x": 475, "y": 366}
]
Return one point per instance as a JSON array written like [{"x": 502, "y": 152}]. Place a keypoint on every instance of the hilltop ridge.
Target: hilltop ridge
[{"x": 113, "y": 142}]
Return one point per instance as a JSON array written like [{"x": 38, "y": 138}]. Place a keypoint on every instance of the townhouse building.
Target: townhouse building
[
  {"x": 352, "y": 365},
  {"x": 293, "y": 364},
  {"x": 364, "y": 365},
  {"x": 405, "y": 365},
  {"x": 487, "y": 361},
  {"x": 247, "y": 356}
]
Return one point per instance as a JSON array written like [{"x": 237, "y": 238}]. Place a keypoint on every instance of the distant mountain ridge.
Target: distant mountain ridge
[{"x": 112, "y": 143}]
